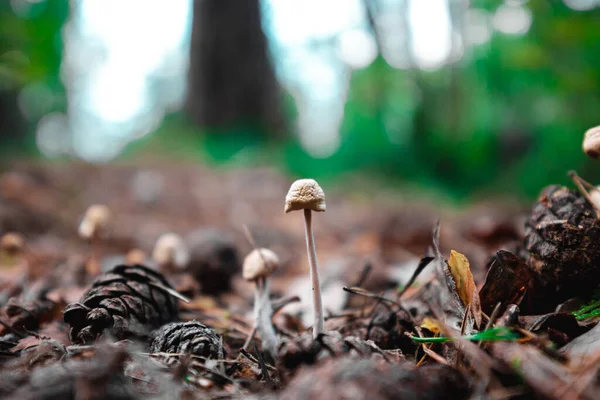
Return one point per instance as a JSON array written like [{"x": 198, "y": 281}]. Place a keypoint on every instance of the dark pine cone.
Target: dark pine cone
[
  {"x": 187, "y": 337},
  {"x": 214, "y": 259},
  {"x": 29, "y": 314},
  {"x": 563, "y": 239},
  {"x": 124, "y": 301}
]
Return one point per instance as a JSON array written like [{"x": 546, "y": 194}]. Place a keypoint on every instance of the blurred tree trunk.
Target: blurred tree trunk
[
  {"x": 12, "y": 123},
  {"x": 231, "y": 79}
]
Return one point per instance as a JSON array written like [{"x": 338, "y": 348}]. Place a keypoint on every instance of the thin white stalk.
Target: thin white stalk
[
  {"x": 263, "y": 314},
  {"x": 314, "y": 275},
  {"x": 270, "y": 342}
]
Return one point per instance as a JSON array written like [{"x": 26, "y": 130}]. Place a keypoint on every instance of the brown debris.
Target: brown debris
[
  {"x": 351, "y": 377},
  {"x": 386, "y": 315}
]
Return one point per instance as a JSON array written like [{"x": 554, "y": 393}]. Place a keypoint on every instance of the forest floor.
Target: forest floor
[{"x": 493, "y": 301}]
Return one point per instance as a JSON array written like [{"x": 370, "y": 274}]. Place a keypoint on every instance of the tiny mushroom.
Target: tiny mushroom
[
  {"x": 170, "y": 253},
  {"x": 135, "y": 257},
  {"x": 92, "y": 227},
  {"x": 94, "y": 222},
  {"x": 589, "y": 191},
  {"x": 259, "y": 264},
  {"x": 12, "y": 243},
  {"x": 591, "y": 142},
  {"x": 591, "y": 147},
  {"x": 307, "y": 195}
]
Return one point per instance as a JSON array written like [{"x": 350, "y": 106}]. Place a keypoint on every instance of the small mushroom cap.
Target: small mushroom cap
[
  {"x": 260, "y": 263},
  {"x": 591, "y": 142},
  {"x": 171, "y": 249},
  {"x": 305, "y": 194},
  {"x": 12, "y": 242},
  {"x": 95, "y": 220},
  {"x": 135, "y": 256}
]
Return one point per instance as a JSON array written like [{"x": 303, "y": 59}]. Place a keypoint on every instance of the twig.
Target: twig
[
  {"x": 364, "y": 275},
  {"x": 280, "y": 303},
  {"x": 580, "y": 183},
  {"x": 425, "y": 261},
  {"x": 13, "y": 330},
  {"x": 263, "y": 368},
  {"x": 428, "y": 351},
  {"x": 170, "y": 291},
  {"x": 463, "y": 327},
  {"x": 250, "y": 357},
  {"x": 250, "y": 338},
  {"x": 491, "y": 320},
  {"x": 362, "y": 292}
]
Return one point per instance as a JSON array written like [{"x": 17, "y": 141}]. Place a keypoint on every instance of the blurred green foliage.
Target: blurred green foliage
[
  {"x": 31, "y": 47},
  {"x": 509, "y": 117}
]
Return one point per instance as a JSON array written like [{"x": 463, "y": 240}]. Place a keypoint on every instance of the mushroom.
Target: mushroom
[
  {"x": 259, "y": 264},
  {"x": 135, "y": 256},
  {"x": 12, "y": 243},
  {"x": 92, "y": 227},
  {"x": 591, "y": 142},
  {"x": 589, "y": 191},
  {"x": 307, "y": 195},
  {"x": 170, "y": 253},
  {"x": 11, "y": 251}
]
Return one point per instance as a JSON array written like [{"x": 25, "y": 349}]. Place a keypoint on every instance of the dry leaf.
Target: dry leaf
[
  {"x": 507, "y": 281},
  {"x": 431, "y": 325},
  {"x": 465, "y": 285},
  {"x": 26, "y": 343}
]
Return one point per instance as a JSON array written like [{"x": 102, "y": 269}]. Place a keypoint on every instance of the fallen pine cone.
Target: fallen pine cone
[
  {"x": 563, "y": 239},
  {"x": 214, "y": 259},
  {"x": 187, "y": 338},
  {"x": 28, "y": 315},
  {"x": 127, "y": 301}
]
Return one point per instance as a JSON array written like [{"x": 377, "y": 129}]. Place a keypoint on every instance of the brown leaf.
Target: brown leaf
[
  {"x": 465, "y": 284},
  {"x": 583, "y": 349},
  {"x": 542, "y": 373},
  {"x": 507, "y": 281},
  {"x": 26, "y": 343}
]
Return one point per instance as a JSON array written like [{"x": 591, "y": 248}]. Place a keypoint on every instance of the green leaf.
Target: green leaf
[{"x": 494, "y": 334}]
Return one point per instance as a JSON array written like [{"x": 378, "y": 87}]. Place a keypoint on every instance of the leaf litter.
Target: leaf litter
[{"x": 487, "y": 309}]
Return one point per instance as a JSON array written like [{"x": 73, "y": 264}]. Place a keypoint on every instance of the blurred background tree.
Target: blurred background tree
[
  {"x": 231, "y": 80},
  {"x": 470, "y": 98}
]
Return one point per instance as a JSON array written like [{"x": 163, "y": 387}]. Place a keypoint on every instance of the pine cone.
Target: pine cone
[
  {"x": 214, "y": 259},
  {"x": 563, "y": 239},
  {"x": 124, "y": 301},
  {"x": 187, "y": 337},
  {"x": 29, "y": 314}
]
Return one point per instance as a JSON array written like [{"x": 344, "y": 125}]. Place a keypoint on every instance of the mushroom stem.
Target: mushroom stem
[
  {"x": 582, "y": 185},
  {"x": 314, "y": 275},
  {"x": 257, "y": 300},
  {"x": 93, "y": 264},
  {"x": 263, "y": 312},
  {"x": 264, "y": 315}
]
